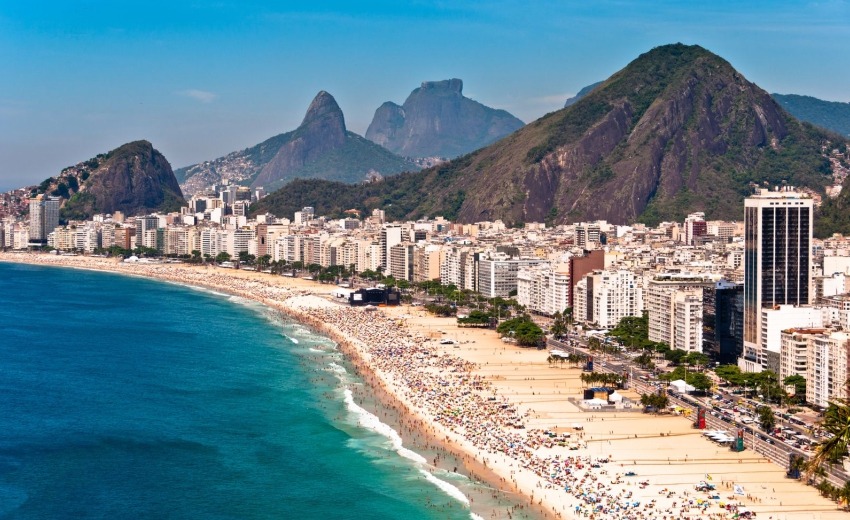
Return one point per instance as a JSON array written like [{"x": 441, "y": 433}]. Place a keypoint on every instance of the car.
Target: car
[{"x": 447, "y": 341}]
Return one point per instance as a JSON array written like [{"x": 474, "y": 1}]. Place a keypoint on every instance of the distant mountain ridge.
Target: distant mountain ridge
[
  {"x": 437, "y": 120},
  {"x": 832, "y": 115},
  {"x": 134, "y": 178},
  {"x": 677, "y": 130},
  {"x": 320, "y": 147},
  {"x": 581, "y": 93}
]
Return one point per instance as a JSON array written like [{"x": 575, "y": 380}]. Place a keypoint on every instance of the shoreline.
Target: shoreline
[
  {"x": 451, "y": 400},
  {"x": 414, "y": 425}
]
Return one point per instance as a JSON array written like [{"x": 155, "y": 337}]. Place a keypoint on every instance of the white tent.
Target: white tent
[
  {"x": 595, "y": 402},
  {"x": 614, "y": 397},
  {"x": 558, "y": 353},
  {"x": 681, "y": 386}
]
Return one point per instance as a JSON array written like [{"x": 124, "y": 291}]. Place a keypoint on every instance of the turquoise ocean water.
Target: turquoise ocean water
[{"x": 122, "y": 397}]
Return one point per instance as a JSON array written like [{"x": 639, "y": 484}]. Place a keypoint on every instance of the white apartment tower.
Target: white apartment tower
[
  {"x": 391, "y": 234},
  {"x": 604, "y": 297},
  {"x": 674, "y": 307}
]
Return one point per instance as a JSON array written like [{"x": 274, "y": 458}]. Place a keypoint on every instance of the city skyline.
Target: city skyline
[{"x": 202, "y": 80}]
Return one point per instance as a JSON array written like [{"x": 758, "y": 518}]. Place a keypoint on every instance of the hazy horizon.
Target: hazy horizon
[{"x": 202, "y": 79}]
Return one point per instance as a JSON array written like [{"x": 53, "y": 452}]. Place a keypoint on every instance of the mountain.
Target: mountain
[
  {"x": 436, "y": 120},
  {"x": 581, "y": 93},
  {"x": 677, "y": 130},
  {"x": 133, "y": 178},
  {"x": 832, "y": 115},
  {"x": 320, "y": 147}
]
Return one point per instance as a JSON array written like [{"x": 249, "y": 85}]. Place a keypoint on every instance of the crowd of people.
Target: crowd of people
[{"x": 444, "y": 389}]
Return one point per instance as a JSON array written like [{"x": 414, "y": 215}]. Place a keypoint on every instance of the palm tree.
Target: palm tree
[{"x": 833, "y": 449}]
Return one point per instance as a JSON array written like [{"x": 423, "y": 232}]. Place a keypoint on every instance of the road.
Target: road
[{"x": 778, "y": 451}]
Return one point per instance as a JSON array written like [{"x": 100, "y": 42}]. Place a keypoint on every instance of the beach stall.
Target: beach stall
[
  {"x": 595, "y": 403},
  {"x": 681, "y": 386}
]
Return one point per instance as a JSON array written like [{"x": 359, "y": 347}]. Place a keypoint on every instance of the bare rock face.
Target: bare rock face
[
  {"x": 319, "y": 148},
  {"x": 133, "y": 178},
  {"x": 436, "y": 120},
  {"x": 321, "y": 131}
]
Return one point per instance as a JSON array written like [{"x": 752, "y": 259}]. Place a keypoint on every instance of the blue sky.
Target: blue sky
[{"x": 200, "y": 78}]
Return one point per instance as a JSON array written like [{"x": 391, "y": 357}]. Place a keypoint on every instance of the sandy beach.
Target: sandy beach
[{"x": 489, "y": 403}]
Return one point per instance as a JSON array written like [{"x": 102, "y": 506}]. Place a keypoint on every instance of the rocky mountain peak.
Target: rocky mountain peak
[
  {"x": 134, "y": 178},
  {"x": 324, "y": 116},
  {"x": 452, "y": 86},
  {"x": 436, "y": 120}
]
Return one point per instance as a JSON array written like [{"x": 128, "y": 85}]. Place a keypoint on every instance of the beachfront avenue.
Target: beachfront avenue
[{"x": 777, "y": 450}]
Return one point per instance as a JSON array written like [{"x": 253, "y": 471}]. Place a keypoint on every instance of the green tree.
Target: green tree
[
  {"x": 224, "y": 256},
  {"x": 799, "y": 384},
  {"x": 263, "y": 261},
  {"x": 699, "y": 380},
  {"x": 833, "y": 449},
  {"x": 729, "y": 373},
  {"x": 767, "y": 419},
  {"x": 696, "y": 359},
  {"x": 523, "y": 330},
  {"x": 246, "y": 258},
  {"x": 645, "y": 361},
  {"x": 559, "y": 327}
]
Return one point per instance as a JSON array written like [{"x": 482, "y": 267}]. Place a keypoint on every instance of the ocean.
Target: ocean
[{"x": 122, "y": 397}]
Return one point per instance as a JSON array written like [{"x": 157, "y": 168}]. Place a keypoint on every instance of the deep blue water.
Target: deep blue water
[{"x": 129, "y": 398}]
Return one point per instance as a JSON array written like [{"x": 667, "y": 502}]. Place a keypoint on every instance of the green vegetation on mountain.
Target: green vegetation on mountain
[
  {"x": 833, "y": 216},
  {"x": 133, "y": 178},
  {"x": 832, "y": 115},
  {"x": 677, "y": 130}
]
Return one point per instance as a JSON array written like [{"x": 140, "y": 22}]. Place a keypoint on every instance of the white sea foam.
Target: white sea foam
[
  {"x": 317, "y": 350},
  {"x": 339, "y": 369},
  {"x": 371, "y": 422},
  {"x": 473, "y": 516},
  {"x": 447, "y": 488},
  {"x": 290, "y": 338}
]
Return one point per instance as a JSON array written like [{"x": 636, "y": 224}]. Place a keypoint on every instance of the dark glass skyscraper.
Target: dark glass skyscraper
[{"x": 777, "y": 261}]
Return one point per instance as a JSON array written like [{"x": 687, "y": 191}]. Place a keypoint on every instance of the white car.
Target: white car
[{"x": 447, "y": 341}]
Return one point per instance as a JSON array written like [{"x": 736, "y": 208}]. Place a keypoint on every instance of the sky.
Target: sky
[{"x": 200, "y": 79}]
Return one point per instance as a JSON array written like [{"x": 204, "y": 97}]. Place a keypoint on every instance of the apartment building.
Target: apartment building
[
  {"x": 604, "y": 297},
  {"x": 674, "y": 305},
  {"x": 826, "y": 368},
  {"x": 544, "y": 289}
]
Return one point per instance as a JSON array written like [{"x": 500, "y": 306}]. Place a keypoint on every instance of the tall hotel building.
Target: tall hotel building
[
  {"x": 777, "y": 262},
  {"x": 44, "y": 217}
]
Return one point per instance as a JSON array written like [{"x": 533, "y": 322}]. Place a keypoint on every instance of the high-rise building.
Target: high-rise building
[
  {"x": 604, "y": 297},
  {"x": 674, "y": 307},
  {"x": 44, "y": 217},
  {"x": 777, "y": 262},
  {"x": 695, "y": 226},
  {"x": 146, "y": 232},
  {"x": 391, "y": 234},
  {"x": 582, "y": 265},
  {"x": 723, "y": 320}
]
